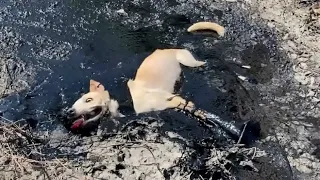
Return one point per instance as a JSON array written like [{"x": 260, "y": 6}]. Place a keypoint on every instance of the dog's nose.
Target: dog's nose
[{"x": 71, "y": 112}]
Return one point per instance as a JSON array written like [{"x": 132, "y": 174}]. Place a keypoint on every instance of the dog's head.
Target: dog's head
[{"x": 92, "y": 106}]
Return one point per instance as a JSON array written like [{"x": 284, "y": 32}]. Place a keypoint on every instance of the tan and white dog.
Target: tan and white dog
[
  {"x": 153, "y": 86},
  {"x": 92, "y": 106}
]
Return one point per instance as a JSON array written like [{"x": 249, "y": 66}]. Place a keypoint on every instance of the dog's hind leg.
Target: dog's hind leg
[
  {"x": 186, "y": 58},
  {"x": 176, "y": 101}
]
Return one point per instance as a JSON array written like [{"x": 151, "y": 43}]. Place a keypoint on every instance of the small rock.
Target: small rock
[
  {"x": 292, "y": 44},
  {"x": 286, "y": 36},
  {"x": 233, "y": 150},
  {"x": 271, "y": 25},
  {"x": 316, "y": 8},
  {"x": 305, "y": 55},
  {"x": 253, "y": 35},
  {"x": 315, "y": 100},
  {"x": 10, "y": 34},
  {"x": 303, "y": 65},
  {"x": 302, "y": 59},
  {"x": 263, "y": 65},
  {"x": 248, "y": 163},
  {"x": 313, "y": 84},
  {"x": 300, "y": 78},
  {"x": 304, "y": 169},
  {"x": 307, "y": 73},
  {"x": 142, "y": 176},
  {"x": 315, "y": 57},
  {"x": 107, "y": 175},
  {"x": 122, "y": 12},
  {"x": 36, "y": 174},
  {"x": 294, "y": 56},
  {"x": 311, "y": 93}
]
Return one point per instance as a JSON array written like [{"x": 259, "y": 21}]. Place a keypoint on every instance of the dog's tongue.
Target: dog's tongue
[{"x": 77, "y": 123}]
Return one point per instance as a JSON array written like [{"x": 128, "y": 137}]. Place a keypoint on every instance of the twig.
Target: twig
[
  {"x": 6, "y": 86},
  {"x": 254, "y": 153},
  {"x": 244, "y": 128},
  {"x": 157, "y": 164},
  {"x": 148, "y": 148},
  {"x": 201, "y": 177},
  {"x": 10, "y": 133}
]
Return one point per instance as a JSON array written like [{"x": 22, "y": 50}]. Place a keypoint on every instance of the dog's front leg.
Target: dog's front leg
[{"x": 114, "y": 108}]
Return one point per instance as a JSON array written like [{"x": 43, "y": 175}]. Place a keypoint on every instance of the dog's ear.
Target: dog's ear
[{"x": 96, "y": 86}]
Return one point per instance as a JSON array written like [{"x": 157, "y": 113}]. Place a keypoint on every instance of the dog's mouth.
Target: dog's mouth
[{"x": 86, "y": 117}]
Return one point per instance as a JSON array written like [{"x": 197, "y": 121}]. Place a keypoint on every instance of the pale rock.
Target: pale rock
[
  {"x": 122, "y": 12},
  {"x": 307, "y": 73},
  {"x": 303, "y": 59},
  {"x": 271, "y": 25},
  {"x": 315, "y": 100},
  {"x": 292, "y": 44},
  {"x": 303, "y": 65},
  {"x": 315, "y": 57},
  {"x": 294, "y": 56},
  {"x": 300, "y": 78},
  {"x": 311, "y": 93}
]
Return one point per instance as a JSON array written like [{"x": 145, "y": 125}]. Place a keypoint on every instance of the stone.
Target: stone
[
  {"x": 122, "y": 12},
  {"x": 304, "y": 65}
]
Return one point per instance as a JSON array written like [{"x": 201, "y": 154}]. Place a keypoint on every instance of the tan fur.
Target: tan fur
[
  {"x": 153, "y": 87},
  {"x": 207, "y": 26},
  {"x": 99, "y": 98}
]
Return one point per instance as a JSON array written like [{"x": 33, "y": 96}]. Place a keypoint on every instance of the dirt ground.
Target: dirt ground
[{"x": 280, "y": 39}]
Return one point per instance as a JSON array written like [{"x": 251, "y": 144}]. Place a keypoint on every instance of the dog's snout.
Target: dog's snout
[{"x": 71, "y": 112}]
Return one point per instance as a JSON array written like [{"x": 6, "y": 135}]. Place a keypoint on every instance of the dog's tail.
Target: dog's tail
[
  {"x": 186, "y": 58},
  {"x": 207, "y": 26},
  {"x": 245, "y": 133}
]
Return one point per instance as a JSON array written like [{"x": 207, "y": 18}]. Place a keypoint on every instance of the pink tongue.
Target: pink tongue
[{"x": 77, "y": 123}]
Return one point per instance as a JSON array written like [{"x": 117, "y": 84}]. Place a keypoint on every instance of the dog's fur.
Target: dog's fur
[
  {"x": 153, "y": 86},
  {"x": 95, "y": 104}
]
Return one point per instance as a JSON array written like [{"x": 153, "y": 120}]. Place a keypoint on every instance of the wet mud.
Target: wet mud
[{"x": 64, "y": 44}]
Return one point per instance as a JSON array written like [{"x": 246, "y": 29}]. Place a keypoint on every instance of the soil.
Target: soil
[{"x": 50, "y": 50}]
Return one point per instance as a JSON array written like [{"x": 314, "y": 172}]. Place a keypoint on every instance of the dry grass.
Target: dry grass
[{"x": 21, "y": 155}]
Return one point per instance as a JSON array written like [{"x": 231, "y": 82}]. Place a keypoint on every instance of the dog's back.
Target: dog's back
[{"x": 161, "y": 69}]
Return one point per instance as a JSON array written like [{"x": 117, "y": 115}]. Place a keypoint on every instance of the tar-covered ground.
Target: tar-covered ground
[{"x": 49, "y": 50}]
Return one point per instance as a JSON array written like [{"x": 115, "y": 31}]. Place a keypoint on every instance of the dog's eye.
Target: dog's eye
[{"x": 88, "y": 100}]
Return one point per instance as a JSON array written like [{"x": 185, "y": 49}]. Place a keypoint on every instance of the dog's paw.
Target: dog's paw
[
  {"x": 190, "y": 106},
  {"x": 121, "y": 115},
  {"x": 113, "y": 107},
  {"x": 113, "y": 104}
]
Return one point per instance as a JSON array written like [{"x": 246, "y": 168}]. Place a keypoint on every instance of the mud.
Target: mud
[{"x": 50, "y": 50}]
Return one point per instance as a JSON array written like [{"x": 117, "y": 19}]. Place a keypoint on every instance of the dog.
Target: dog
[
  {"x": 92, "y": 106},
  {"x": 152, "y": 89}
]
